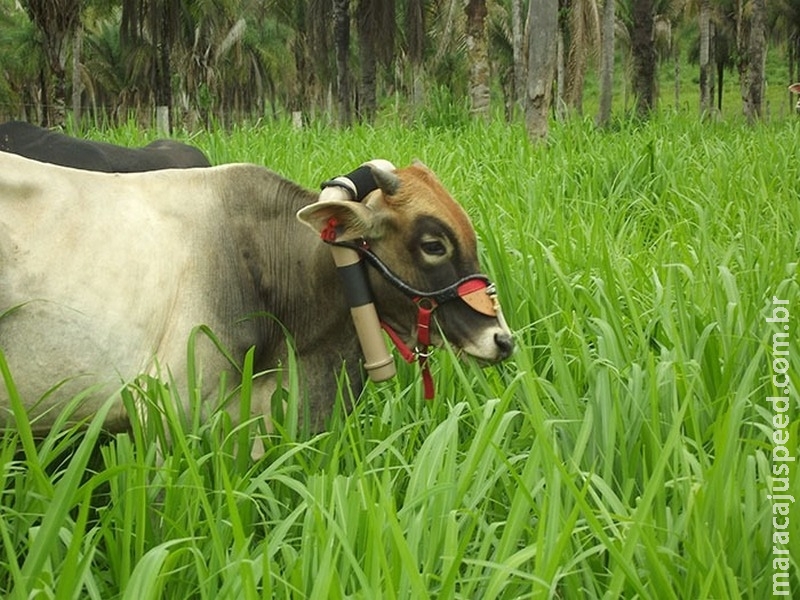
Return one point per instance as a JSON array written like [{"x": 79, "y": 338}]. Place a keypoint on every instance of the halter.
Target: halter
[{"x": 475, "y": 290}]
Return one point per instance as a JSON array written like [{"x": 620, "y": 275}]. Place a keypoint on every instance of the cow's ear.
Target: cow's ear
[
  {"x": 340, "y": 220},
  {"x": 795, "y": 87}
]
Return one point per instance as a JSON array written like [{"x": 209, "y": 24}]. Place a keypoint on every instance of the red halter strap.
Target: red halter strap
[{"x": 425, "y": 308}]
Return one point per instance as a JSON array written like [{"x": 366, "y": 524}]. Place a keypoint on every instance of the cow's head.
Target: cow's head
[{"x": 419, "y": 240}]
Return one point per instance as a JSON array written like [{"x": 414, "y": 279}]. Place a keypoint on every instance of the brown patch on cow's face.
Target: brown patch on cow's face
[
  {"x": 421, "y": 194},
  {"x": 428, "y": 239}
]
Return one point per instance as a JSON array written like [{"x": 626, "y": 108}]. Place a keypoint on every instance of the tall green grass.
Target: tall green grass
[{"x": 623, "y": 452}]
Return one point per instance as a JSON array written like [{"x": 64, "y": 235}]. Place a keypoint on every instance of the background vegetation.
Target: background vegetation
[
  {"x": 344, "y": 60},
  {"x": 623, "y": 452}
]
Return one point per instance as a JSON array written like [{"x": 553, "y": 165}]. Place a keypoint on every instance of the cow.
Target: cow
[
  {"x": 104, "y": 277},
  {"x": 53, "y": 147},
  {"x": 795, "y": 89}
]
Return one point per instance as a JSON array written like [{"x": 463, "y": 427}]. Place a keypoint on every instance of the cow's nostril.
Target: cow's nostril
[{"x": 505, "y": 344}]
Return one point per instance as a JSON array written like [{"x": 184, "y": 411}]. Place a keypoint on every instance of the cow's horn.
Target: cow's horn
[{"x": 386, "y": 180}]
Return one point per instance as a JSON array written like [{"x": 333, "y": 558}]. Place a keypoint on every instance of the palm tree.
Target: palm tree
[
  {"x": 149, "y": 30},
  {"x": 163, "y": 19},
  {"x": 505, "y": 55},
  {"x": 751, "y": 43},
  {"x": 792, "y": 13},
  {"x": 724, "y": 53},
  {"x": 375, "y": 24},
  {"x": 415, "y": 45},
  {"x": 706, "y": 80},
  {"x": 720, "y": 34},
  {"x": 56, "y": 21},
  {"x": 21, "y": 62},
  {"x": 341, "y": 37},
  {"x": 448, "y": 65},
  {"x": 507, "y": 51},
  {"x": 218, "y": 62},
  {"x": 104, "y": 61},
  {"x": 478, "y": 57},
  {"x": 785, "y": 22},
  {"x": 643, "y": 55},
  {"x": 266, "y": 50},
  {"x": 583, "y": 28},
  {"x": 606, "y": 63},
  {"x": 542, "y": 31}
]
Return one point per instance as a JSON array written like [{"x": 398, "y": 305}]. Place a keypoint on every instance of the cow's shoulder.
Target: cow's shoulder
[{"x": 246, "y": 186}]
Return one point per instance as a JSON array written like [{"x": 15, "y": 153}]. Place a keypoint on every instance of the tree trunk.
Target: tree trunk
[
  {"x": 298, "y": 95},
  {"x": 59, "y": 106},
  {"x": 706, "y": 78},
  {"x": 341, "y": 40},
  {"x": 712, "y": 52},
  {"x": 375, "y": 25},
  {"x": 478, "y": 53},
  {"x": 415, "y": 40},
  {"x": 77, "y": 84},
  {"x": 676, "y": 66},
  {"x": 542, "y": 32},
  {"x": 791, "y": 53},
  {"x": 606, "y": 64},
  {"x": 162, "y": 17},
  {"x": 367, "y": 102},
  {"x": 794, "y": 42},
  {"x": 561, "y": 76},
  {"x": 644, "y": 57},
  {"x": 162, "y": 121},
  {"x": 582, "y": 26},
  {"x": 446, "y": 37},
  {"x": 752, "y": 51},
  {"x": 167, "y": 38},
  {"x": 517, "y": 49},
  {"x": 43, "y": 112},
  {"x": 56, "y": 21}
]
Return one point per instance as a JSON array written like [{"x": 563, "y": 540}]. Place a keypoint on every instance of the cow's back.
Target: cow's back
[{"x": 97, "y": 274}]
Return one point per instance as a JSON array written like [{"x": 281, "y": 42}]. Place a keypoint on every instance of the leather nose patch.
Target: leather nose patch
[{"x": 479, "y": 296}]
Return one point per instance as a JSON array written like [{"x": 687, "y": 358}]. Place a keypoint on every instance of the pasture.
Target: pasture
[{"x": 624, "y": 451}]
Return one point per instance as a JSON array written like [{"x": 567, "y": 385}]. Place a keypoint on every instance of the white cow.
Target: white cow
[{"x": 104, "y": 276}]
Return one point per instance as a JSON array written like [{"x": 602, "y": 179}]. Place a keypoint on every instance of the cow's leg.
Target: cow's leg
[
  {"x": 322, "y": 373},
  {"x": 261, "y": 405}
]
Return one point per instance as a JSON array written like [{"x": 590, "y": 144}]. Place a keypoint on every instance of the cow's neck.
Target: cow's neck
[{"x": 290, "y": 271}]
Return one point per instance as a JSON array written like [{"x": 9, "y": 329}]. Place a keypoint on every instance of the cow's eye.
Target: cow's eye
[{"x": 433, "y": 248}]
